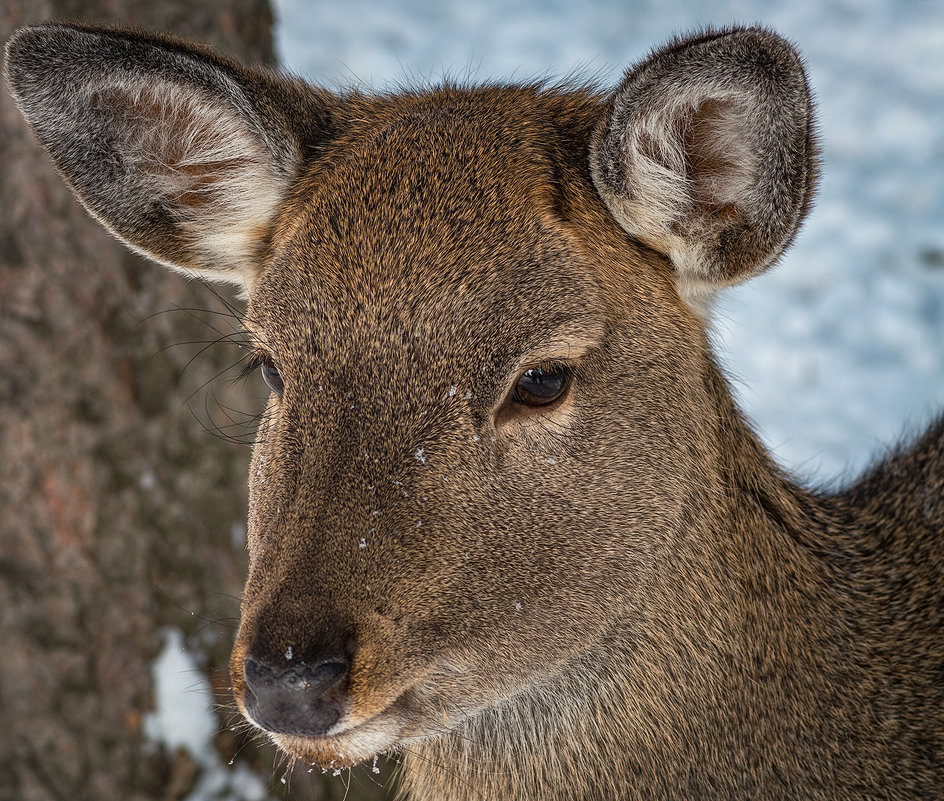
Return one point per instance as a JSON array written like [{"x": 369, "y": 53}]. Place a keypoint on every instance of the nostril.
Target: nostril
[
  {"x": 326, "y": 675},
  {"x": 295, "y": 700},
  {"x": 317, "y": 678},
  {"x": 313, "y": 677}
]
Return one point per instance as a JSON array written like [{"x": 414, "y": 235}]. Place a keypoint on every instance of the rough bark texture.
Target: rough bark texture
[{"x": 117, "y": 508}]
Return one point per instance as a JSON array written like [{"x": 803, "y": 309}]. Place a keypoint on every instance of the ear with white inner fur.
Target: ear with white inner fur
[
  {"x": 707, "y": 154},
  {"x": 181, "y": 154}
]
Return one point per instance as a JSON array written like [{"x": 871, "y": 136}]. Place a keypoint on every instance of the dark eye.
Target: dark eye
[
  {"x": 541, "y": 386},
  {"x": 270, "y": 374}
]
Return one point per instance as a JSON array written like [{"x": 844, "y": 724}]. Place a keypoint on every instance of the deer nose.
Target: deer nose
[{"x": 296, "y": 700}]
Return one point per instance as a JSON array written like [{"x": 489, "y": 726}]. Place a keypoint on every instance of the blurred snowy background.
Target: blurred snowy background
[{"x": 840, "y": 350}]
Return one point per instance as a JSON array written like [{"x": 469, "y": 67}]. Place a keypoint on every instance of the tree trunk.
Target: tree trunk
[{"x": 121, "y": 517}]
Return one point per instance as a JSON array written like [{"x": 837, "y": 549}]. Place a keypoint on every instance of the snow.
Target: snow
[
  {"x": 176, "y": 676},
  {"x": 838, "y": 351},
  {"x": 183, "y": 719}
]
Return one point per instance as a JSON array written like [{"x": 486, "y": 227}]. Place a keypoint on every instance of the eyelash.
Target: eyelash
[{"x": 254, "y": 360}]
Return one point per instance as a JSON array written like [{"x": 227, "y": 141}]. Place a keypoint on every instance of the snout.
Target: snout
[
  {"x": 334, "y": 712},
  {"x": 302, "y": 700}
]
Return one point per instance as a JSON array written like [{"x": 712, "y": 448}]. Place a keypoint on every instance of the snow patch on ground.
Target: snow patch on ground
[{"x": 183, "y": 719}]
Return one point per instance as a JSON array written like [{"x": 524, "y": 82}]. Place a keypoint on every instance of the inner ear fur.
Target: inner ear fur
[
  {"x": 182, "y": 154},
  {"x": 706, "y": 153}
]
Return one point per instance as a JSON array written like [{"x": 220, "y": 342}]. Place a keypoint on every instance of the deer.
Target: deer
[{"x": 506, "y": 519}]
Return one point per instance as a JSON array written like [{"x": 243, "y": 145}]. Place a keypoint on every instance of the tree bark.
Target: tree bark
[{"x": 120, "y": 515}]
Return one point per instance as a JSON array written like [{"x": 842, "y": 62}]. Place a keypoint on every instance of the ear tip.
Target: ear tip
[
  {"x": 41, "y": 36},
  {"x": 735, "y": 49},
  {"x": 758, "y": 33},
  {"x": 20, "y": 53},
  {"x": 37, "y": 44},
  {"x": 31, "y": 55},
  {"x": 62, "y": 41},
  {"x": 19, "y": 44},
  {"x": 756, "y": 40}
]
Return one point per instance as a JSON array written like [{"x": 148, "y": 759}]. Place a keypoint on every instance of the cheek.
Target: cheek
[{"x": 531, "y": 560}]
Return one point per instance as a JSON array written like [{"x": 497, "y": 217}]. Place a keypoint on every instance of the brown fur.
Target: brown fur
[{"x": 614, "y": 596}]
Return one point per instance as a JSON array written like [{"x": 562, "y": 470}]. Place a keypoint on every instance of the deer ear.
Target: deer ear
[
  {"x": 181, "y": 154},
  {"x": 706, "y": 153}
]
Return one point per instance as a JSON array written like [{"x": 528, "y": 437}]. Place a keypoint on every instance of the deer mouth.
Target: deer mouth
[
  {"x": 363, "y": 732},
  {"x": 344, "y": 749}
]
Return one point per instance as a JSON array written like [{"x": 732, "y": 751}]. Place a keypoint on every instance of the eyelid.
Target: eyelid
[
  {"x": 254, "y": 360},
  {"x": 564, "y": 351}
]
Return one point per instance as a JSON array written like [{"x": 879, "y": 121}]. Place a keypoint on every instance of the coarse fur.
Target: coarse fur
[{"x": 608, "y": 592}]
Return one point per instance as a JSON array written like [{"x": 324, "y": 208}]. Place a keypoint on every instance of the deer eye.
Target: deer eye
[
  {"x": 541, "y": 386},
  {"x": 270, "y": 374}
]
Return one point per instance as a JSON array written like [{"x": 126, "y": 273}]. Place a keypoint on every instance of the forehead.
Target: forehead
[{"x": 436, "y": 211}]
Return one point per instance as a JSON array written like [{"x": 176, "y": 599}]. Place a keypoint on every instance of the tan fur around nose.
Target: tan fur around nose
[{"x": 505, "y": 515}]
